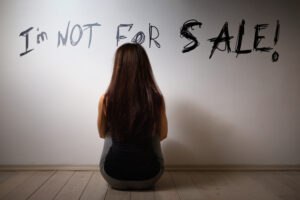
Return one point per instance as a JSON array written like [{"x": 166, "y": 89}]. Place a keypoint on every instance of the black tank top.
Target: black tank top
[{"x": 134, "y": 160}]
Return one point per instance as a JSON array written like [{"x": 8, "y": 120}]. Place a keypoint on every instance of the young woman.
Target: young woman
[{"x": 132, "y": 120}]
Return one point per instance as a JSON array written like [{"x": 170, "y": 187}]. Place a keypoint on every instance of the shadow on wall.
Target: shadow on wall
[{"x": 196, "y": 137}]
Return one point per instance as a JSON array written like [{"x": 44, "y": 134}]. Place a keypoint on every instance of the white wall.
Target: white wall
[{"x": 223, "y": 110}]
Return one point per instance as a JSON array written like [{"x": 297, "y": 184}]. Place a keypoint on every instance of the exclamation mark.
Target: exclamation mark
[{"x": 275, "y": 55}]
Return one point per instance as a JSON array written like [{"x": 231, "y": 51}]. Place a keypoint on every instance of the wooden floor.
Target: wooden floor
[{"x": 203, "y": 185}]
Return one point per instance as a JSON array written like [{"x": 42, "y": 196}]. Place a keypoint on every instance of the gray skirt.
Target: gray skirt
[{"x": 124, "y": 184}]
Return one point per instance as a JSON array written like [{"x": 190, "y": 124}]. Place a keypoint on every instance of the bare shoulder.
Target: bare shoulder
[
  {"x": 101, "y": 105},
  {"x": 101, "y": 99}
]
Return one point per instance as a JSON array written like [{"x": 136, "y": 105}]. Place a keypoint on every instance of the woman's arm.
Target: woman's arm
[
  {"x": 101, "y": 121},
  {"x": 164, "y": 125}
]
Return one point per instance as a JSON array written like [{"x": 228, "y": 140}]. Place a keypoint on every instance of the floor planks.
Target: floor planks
[{"x": 173, "y": 185}]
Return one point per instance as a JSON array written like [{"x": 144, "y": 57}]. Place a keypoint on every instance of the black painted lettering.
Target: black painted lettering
[
  {"x": 90, "y": 26},
  {"x": 240, "y": 39},
  {"x": 26, "y": 35},
  {"x": 258, "y": 38},
  {"x": 220, "y": 38},
  {"x": 153, "y": 38},
  {"x": 79, "y": 36},
  {"x": 119, "y": 37},
  {"x": 184, "y": 32},
  {"x": 139, "y": 38},
  {"x": 62, "y": 38}
]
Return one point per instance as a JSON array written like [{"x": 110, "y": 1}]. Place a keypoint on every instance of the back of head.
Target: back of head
[{"x": 133, "y": 100}]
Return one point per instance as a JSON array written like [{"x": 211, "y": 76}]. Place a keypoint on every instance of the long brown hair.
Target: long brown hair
[{"x": 133, "y": 101}]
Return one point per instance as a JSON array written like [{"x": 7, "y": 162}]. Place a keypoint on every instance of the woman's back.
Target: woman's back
[{"x": 132, "y": 119}]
